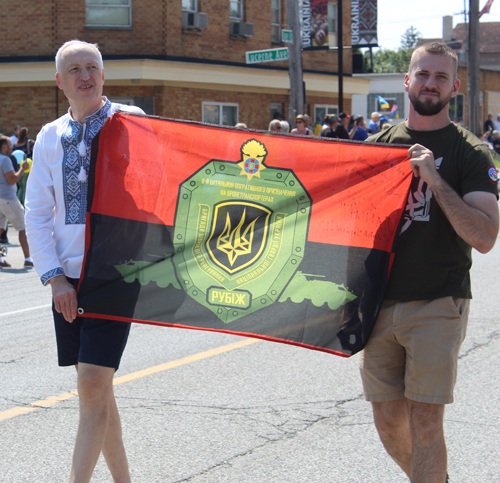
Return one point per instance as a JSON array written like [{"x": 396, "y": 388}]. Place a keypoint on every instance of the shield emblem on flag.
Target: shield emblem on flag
[
  {"x": 239, "y": 240},
  {"x": 239, "y": 234}
]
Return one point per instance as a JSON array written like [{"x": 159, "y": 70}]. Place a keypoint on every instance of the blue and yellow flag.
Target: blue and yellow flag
[{"x": 383, "y": 103}]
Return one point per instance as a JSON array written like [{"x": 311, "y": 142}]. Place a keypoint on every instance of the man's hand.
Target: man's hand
[
  {"x": 64, "y": 296},
  {"x": 423, "y": 164},
  {"x": 25, "y": 166}
]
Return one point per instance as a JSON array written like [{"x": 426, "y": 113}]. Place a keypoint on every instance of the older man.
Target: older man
[
  {"x": 10, "y": 207},
  {"x": 409, "y": 365},
  {"x": 56, "y": 203}
]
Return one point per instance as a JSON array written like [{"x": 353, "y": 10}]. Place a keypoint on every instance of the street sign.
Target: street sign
[
  {"x": 287, "y": 36},
  {"x": 271, "y": 55}
]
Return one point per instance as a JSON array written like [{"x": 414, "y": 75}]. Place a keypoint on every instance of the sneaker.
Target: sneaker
[
  {"x": 5, "y": 264},
  {"x": 28, "y": 264},
  {"x": 4, "y": 240}
]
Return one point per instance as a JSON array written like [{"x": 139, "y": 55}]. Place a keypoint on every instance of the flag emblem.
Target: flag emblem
[{"x": 244, "y": 238}]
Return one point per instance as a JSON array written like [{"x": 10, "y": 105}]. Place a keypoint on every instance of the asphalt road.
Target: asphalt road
[{"x": 257, "y": 412}]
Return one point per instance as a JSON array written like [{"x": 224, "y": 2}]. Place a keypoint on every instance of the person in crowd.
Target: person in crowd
[
  {"x": 373, "y": 125},
  {"x": 495, "y": 141},
  {"x": 10, "y": 207},
  {"x": 301, "y": 123},
  {"x": 56, "y": 232},
  {"x": 13, "y": 138},
  {"x": 409, "y": 365},
  {"x": 341, "y": 130},
  {"x": 275, "y": 125},
  {"x": 23, "y": 143},
  {"x": 308, "y": 125},
  {"x": 496, "y": 124},
  {"x": 325, "y": 127},
  {"x": 488, "y": 124},
  {"x": 358, "y": 131},
  {"x": 285, "y": 127},
  {"x": 333, "y": 122},
  {"x": 321, "y": 125}
]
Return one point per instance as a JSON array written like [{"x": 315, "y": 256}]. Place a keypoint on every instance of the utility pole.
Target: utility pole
[
  {"x": 474, "y": 66},
  {"x": 340, "y": 43},
  {"x": 295, "y": 61}
]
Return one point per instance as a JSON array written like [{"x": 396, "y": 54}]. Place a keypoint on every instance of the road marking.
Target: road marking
[
  {"x": 51, "y": 401},
  {"x": 26, "y": 310}
]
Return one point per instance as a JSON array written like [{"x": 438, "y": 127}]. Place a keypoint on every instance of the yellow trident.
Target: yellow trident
[{"x": 232, "y": 242}]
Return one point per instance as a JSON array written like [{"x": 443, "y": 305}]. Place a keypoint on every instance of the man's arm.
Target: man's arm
[
  {"x": 13, "y": 177},
  {"x": 474, "y": 217}
]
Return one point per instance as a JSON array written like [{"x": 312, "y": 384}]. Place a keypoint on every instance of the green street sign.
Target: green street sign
[
  {"x": 287, "y": 36},
  {"x": 271, "y": 55}
]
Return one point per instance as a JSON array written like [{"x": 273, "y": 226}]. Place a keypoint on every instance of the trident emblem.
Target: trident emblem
[{"x": 233, "y": 243}]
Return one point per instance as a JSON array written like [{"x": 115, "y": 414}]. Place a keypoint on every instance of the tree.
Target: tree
[
  {"x": 410, "y": 38},
  {"x": 386, "y": 60}
]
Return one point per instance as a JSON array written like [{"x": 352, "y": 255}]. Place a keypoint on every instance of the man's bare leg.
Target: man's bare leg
[
  {"x": 429, "y": 459},
  {"x": 23, "y": 241},
  {"x": 412, "y": 433},
  {"x": 393, "y": 426},
  {"x": 97, "y": 412},
  {"x": 113, "y": 448}
]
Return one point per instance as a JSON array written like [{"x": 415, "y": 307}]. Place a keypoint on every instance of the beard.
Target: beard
[{"x": 429, "y": 107}]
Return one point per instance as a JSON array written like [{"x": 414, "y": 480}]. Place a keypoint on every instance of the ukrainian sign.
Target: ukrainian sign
[
  {"x": 271, "y": 55},
  {"x": 364, "y": 23}
]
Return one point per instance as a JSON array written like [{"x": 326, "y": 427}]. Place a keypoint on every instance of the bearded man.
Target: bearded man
[{"x": 409, "y": 365}]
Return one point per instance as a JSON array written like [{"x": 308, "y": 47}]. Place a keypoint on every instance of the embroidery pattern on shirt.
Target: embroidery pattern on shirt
[
  {"x": 51, "y": 274},
  {"x": 75, "y": 191}
]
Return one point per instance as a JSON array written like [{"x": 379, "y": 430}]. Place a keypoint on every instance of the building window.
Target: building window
[
  {"x": 147, "y": 103},
  {"x": 457, "y": 108},
  {"x": 321, "y": 110},
  {"x": 190, "y": 5},
  {"x": 236, "y": 9},
  {"x": 395, "y": 100},
  {"x": 276, "y": 110},
  {"x": 220, "y": 113},
  {"x": 276, "y": 21},
  {"x": 108, "y": 13},
  {"x": 332, "y": 25}
]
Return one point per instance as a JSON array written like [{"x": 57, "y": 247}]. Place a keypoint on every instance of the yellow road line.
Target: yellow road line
[{"x": 51, "y": 401}]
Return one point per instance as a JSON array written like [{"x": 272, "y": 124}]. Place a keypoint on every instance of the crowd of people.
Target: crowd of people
[
  {"x": 15, "y": 163},
  {"x": 342, "y": 126}
]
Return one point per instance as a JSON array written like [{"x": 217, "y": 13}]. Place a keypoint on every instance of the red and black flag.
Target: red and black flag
[{"x": 283, "y": 238}]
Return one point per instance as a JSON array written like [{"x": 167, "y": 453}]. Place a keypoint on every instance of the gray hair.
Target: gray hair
[{"x": 74, "y": 43}]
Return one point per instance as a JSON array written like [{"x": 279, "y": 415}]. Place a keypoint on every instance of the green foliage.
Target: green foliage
[
  {"x": 410, "y": 38},
  {"x": 386, "y": 60}
]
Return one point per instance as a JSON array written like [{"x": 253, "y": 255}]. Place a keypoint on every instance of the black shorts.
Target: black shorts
[{"x": 92, "y": 341}]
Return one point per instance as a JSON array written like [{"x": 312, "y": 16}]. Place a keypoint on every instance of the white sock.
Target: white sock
[
  {"x": 1, "y": 259},
  {"x": 29, "y": 259}
]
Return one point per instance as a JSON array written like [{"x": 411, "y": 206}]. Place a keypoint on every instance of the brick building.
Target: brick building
[{"x": 175, "y": 58}]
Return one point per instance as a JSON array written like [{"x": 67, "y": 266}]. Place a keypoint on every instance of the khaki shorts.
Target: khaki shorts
[
  {"x": 413, "y": 350},
  {"x": 13, "y": 211}
]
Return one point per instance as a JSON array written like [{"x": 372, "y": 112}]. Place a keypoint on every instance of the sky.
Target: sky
[{"x": 396, "y": 16}]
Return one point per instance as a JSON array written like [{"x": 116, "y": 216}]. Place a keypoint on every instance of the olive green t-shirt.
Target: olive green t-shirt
[{"x": 431, "y": 260}]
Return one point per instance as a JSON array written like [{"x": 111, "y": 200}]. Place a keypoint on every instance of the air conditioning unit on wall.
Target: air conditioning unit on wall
[
  {"x": 241, "y": 29},
  {"x": 194, "y": 20}
]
